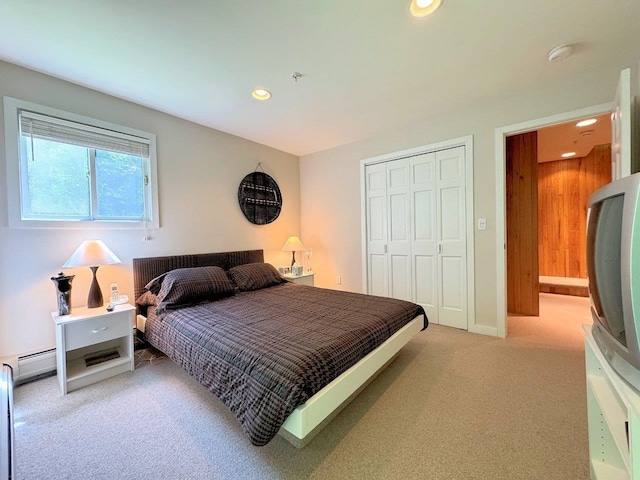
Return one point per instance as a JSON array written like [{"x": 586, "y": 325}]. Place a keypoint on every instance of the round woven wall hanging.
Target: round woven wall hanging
[{"x": 259, "y": 198}]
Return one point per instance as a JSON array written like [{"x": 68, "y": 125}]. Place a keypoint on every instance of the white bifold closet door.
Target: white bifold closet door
[{"x": 416, "y": 234}]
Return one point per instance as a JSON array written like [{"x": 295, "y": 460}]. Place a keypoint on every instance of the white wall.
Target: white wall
[
  {"x": 330, "y": 183},
  {"x": 199, "y": 170}
]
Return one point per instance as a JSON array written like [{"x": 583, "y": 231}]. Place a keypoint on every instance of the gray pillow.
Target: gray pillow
[
  {"x": 254, "y": 276},
  {"x": 154, "y": 285},
  {"x": 189, "y": 286}
]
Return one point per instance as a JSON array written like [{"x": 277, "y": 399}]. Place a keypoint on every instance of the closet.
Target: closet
[{"x": 416, "y": 236}]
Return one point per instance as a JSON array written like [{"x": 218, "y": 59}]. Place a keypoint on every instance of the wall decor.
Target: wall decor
[{"x": 259, "y": 198}]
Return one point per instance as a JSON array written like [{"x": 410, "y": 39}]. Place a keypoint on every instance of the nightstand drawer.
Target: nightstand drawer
[
  {"x": 304, "y": 279},
  {"x": 95, "y": 330}
]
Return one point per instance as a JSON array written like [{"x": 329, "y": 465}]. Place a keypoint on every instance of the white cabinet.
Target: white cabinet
[
  {"x": 613, "y": 409},
  {"x": 93, "y": 344}
]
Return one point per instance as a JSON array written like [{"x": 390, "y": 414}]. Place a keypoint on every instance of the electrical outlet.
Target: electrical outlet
[
  {"x": 339, "y": 280},
  {"x": 482, "y": 224}
]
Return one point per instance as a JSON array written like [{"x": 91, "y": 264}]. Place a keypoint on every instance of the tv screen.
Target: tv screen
[{"x": 604, "y": 251}]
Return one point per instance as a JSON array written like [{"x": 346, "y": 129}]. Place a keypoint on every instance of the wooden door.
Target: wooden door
[{"x": 523, "y": 283}]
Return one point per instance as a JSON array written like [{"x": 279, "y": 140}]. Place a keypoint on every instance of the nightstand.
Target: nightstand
[
  {"x": 93, "y": 344},
  {"x": 304, "y": 279}
]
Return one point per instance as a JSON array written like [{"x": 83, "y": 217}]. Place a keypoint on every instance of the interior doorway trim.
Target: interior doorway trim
[
  {"x": 501, "y": 207},
  {"x": 466, "y": 142}
]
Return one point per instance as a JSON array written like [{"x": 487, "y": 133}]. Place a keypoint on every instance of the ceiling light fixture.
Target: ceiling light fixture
[
  {"x": 261, "y": 94},
  {"x": 422, "y": 8},
  {"x": 586, "y": 123},
  {"x": 568, "y": 154},
  {"x": 559, "y": 53}
]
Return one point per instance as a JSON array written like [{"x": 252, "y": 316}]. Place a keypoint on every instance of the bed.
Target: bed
[{"x": 284, "y": 358}]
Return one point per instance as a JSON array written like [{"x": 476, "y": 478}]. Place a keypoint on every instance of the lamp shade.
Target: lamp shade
[
  {"x": 92, "y": 253},
  {"x": 293, "y": 245}
]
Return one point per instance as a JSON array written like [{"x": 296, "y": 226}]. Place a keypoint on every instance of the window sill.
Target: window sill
[{"x": 82, "y": 224}]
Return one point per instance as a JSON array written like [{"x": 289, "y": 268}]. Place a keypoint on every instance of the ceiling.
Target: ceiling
[
  {"x": 367, "y": 67},
  {"x": 568, "y": 137}
]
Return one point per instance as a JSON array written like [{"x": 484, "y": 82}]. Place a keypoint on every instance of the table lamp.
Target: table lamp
[
  {"x": 293, "y": 245},
  {"x": 92, "y": 254}
]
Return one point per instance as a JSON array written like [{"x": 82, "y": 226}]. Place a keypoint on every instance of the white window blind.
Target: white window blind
[{"x": 34, "y": 125}]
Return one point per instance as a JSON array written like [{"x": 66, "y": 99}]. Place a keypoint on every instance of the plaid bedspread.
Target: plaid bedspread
[{"x": 265, "y": 352}]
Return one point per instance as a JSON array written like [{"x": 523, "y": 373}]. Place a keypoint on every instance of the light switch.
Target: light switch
[{"x": 482, "y": 224}]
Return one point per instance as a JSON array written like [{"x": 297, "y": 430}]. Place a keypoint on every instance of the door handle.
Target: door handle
[
  {"x": 384, "y": 249},
  {"x": 440, "y": 248}
]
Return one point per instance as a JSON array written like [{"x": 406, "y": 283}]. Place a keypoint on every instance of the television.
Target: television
[{"x": 613, "y": 265}]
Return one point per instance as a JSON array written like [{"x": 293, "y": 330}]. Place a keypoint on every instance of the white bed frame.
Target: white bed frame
[{"x": 308, "y": 419}]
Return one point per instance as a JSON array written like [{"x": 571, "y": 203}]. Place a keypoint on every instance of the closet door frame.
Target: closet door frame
[{"x": 466, "y": 142}]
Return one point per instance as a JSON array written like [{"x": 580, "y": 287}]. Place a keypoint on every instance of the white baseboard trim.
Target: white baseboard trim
[{"x": 484, "y": 330}]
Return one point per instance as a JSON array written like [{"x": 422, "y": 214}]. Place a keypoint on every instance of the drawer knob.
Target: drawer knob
[{"x": 98, "y": 330}]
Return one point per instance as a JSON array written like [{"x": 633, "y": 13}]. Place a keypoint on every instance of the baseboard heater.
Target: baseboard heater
[
  {"x": 7, "y": 451},
  {"x": 34, "y": 366}
]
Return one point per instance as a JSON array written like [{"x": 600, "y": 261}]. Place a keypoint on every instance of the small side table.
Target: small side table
[
  {"x": 93, "y": 344},
  {"x": 304, "y": 279}
]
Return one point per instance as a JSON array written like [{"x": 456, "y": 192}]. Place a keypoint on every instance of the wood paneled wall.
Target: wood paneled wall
[
  {"x": 522, "y": 224},
  {"x": 564, "y": 187}
]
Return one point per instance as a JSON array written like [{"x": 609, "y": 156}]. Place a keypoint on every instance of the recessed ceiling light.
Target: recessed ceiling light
[
  {"x": 559, "y": 53},
  {"x": 422, "y": 8},
  {"x": 261, "y": 94},
  {"x": 568, "y": 154},
  {"x": 586, "y": 123}
]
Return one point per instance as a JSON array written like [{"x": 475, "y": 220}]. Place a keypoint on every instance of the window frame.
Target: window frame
[{"x": 16, "y": 178}]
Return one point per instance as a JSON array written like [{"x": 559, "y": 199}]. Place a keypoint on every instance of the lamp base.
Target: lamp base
[{"x": 95, "y": 294}]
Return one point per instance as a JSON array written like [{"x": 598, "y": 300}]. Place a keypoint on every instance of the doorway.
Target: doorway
[
  {"x": 501, "y": 193},
  {"x": 550, "y": 175},
  {"x": 621, "y": 149}
]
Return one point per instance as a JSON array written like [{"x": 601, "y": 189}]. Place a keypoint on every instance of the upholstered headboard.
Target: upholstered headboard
[{"x": 146, "y": 269}]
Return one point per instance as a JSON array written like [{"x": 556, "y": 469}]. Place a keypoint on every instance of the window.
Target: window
[{"x": 66, "y": 170}]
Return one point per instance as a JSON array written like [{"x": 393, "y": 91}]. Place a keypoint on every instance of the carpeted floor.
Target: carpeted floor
[{"x": 454, "y": 405}]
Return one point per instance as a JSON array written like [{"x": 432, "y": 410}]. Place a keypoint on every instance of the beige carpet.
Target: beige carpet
[{"x": 454, "y": 405}]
